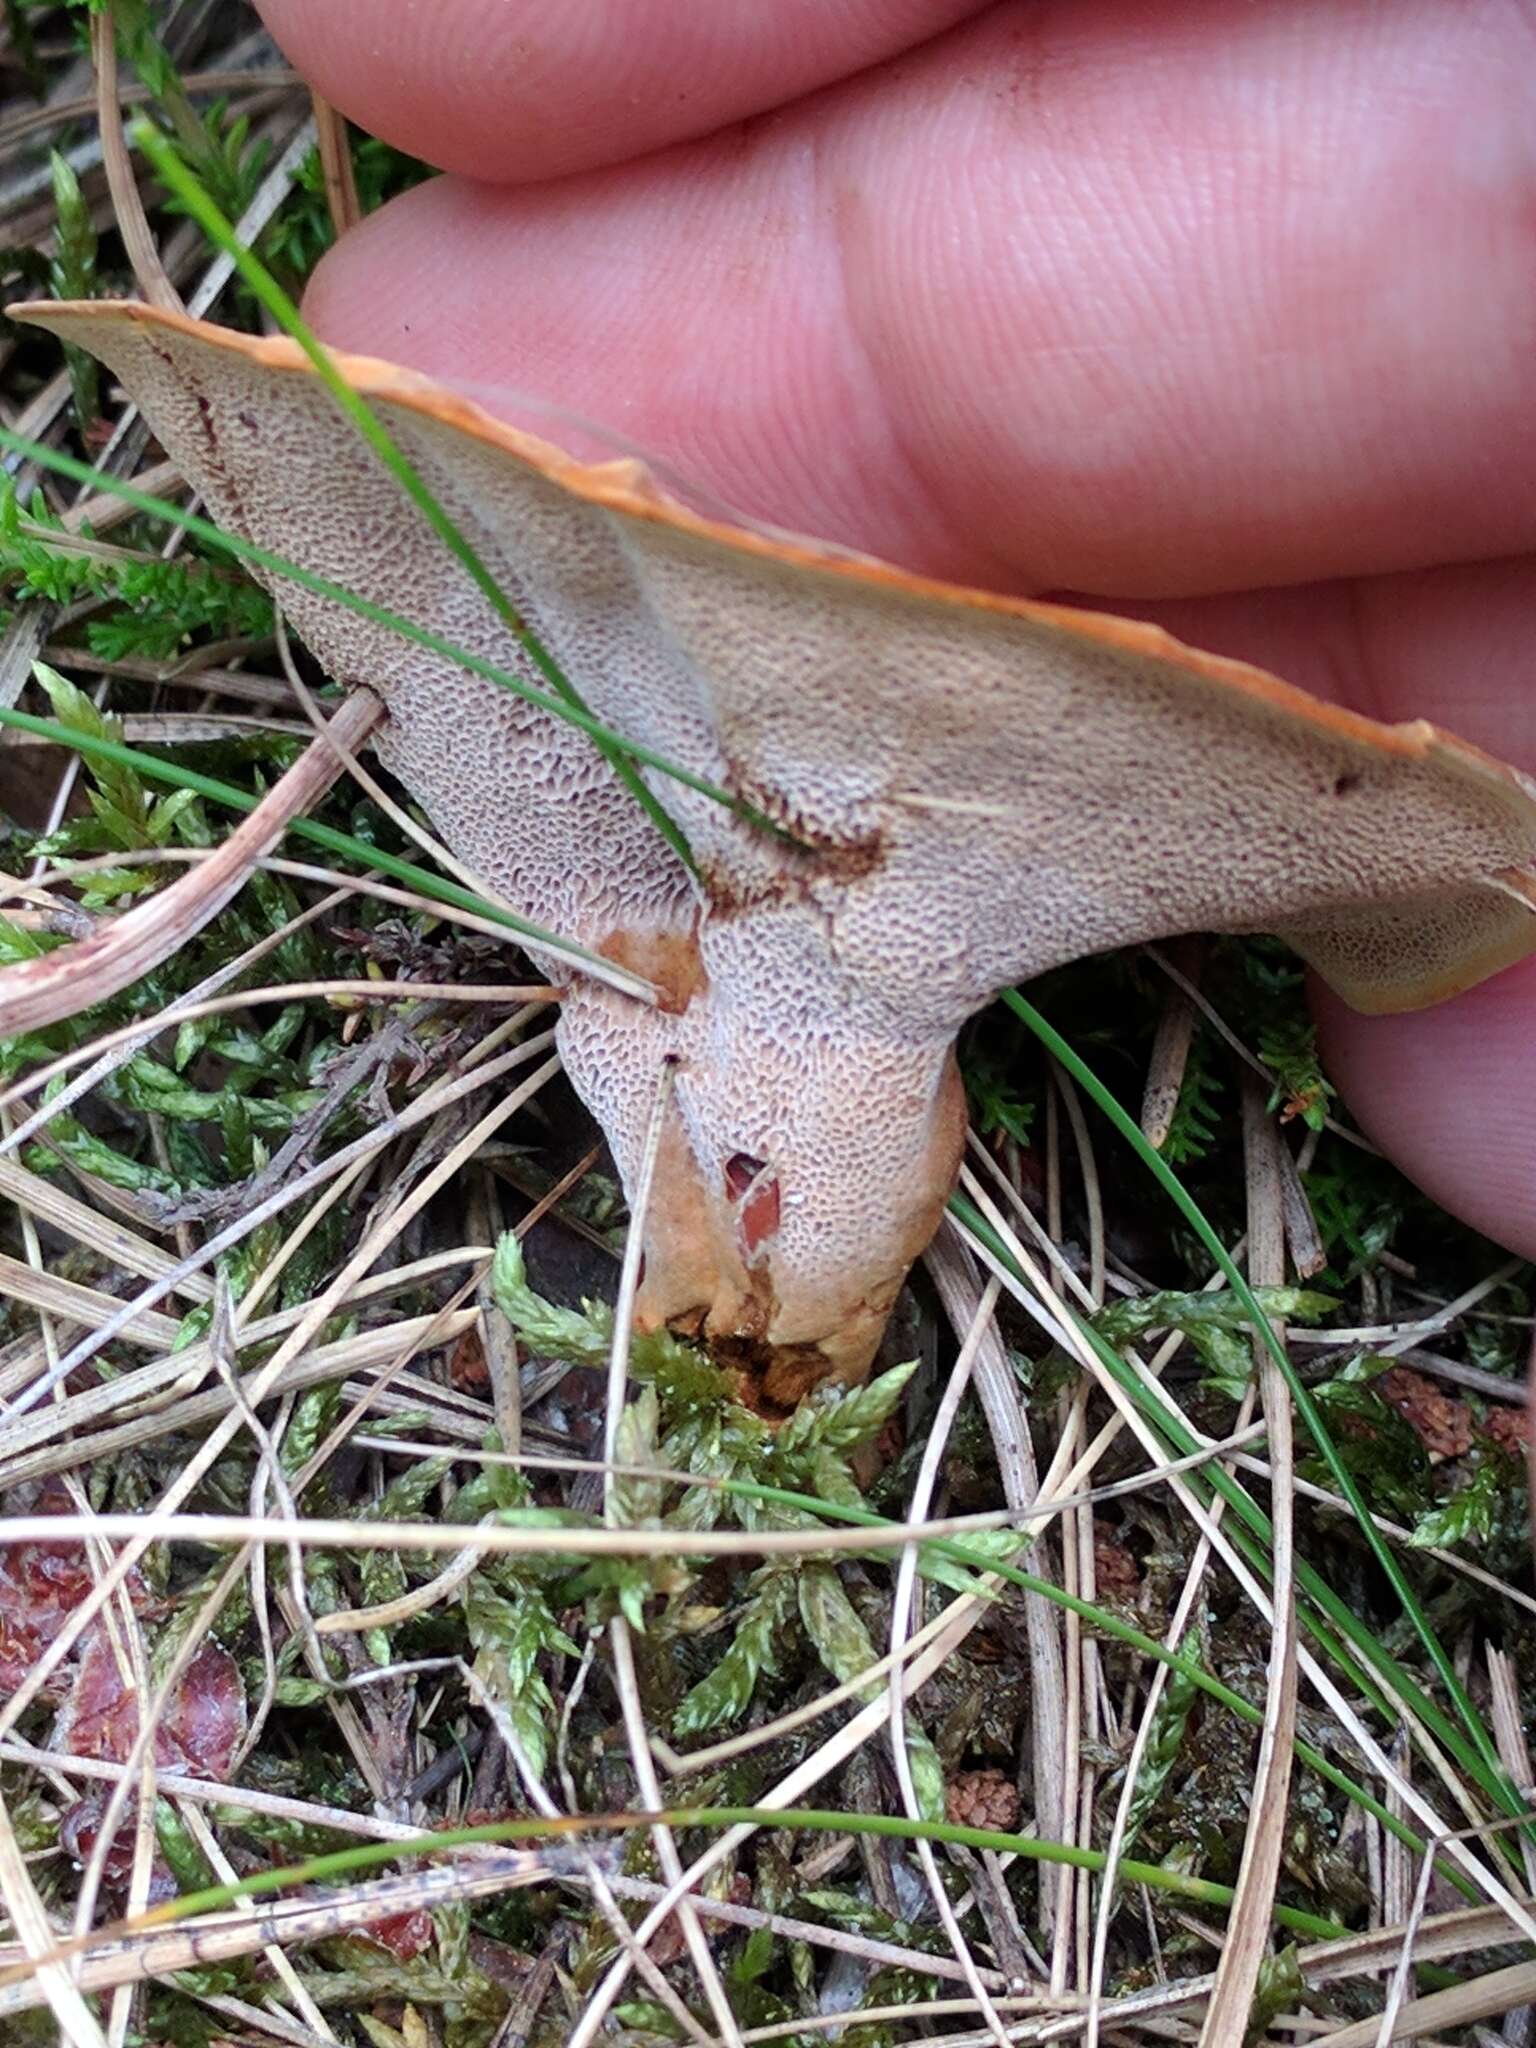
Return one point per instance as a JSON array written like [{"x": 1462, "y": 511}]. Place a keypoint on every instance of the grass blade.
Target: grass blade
[
  {"x": 1492, "y": 1774},
  {"x": 343, "y": 1863},
  {"x": 421, "y": 879},
  {"x": 602, "y": 736},
  {"x": 175, "y": 174}
]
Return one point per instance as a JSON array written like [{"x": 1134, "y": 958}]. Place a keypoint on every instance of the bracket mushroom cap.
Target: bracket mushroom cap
[{"x": 977, "y": 788}]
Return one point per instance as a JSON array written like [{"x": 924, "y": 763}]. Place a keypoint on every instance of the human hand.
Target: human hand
[{"x": 1219, "y": 315}]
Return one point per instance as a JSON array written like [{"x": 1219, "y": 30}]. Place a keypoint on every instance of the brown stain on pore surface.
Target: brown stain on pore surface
[
  {"x": 669, "y": 960},
  {"x": 818, "y": 859}
]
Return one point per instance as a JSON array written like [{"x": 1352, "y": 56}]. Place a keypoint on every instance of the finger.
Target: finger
[
  {"x": 993, "y": 313},
  {"x": 1448, "y": 1094},
  {"x": 546, "y": 87}
]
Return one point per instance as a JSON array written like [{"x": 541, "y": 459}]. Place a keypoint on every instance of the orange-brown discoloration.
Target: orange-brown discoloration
[{"x": 668, "y": 960}]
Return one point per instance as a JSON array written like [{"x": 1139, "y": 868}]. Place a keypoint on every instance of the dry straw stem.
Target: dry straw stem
[
  {"x": 419, "y": 1600},
  {"x": 265, "y": 1380},
  {"x": 1194, "y": 1581},
  {"x": 1073, "y": 1890},
  {"x": 1169, "y": 1056},
  {"x": 207, "y": 678},
  {"x": 1486, "y": 1997},
  {"x": 162, "y": 1393},
  {"x": 624, "y": 1678},
  {"x": 688, "y": 1762},
  {"x": 336, "y": 164},
  {"x": 1440, "y": 1937},
  {"x": 313, "y": 1315},
  {"x": 1248, "y": 1926},
  {"x": 627, "y": 1685},
  {"x": 1396, "y": 1532},
  {"x": 35, "y": 993},
  {"x": 481, "y": 1870},
  {"x": 1041, "y": 1304},
  {"x": 542, "y": 1802},
  {"x": 126, "y": 1641},
  {"x": 432, "y": 1331},
  {"x": 273, "y": 1954},
  {"x": 902, "y": 1616},
  {"x": 112, "y": 1959},
  {"x": 124, "y": 1959},
  {"x": 273, "y": 190},
  {"x": 139, "y": 1763},
  {"x": 127, "y": 205},
  {"x": 1509, "y": 1733},
  {"x": 309, "y": 871},
  {"x": 218, "y": 81},
  {"x": 433, "y": 1100},
  {"x": 181, "y": 728},
  {"x": 352, "y": 991},
  {"x": 953, "y": 1272},
  {"x": 110, "y": 1059},
  {"x": 1193, "y": 995},
  {"x": 963, "y": 1616},
  {"x": 165, "y": 1525},
  {"x": 78, "y": 2025}
]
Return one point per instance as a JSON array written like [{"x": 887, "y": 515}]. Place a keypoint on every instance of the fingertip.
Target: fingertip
[
  {"x": 539, "y": 89},
  {"x": 1448, "y": 1096}
]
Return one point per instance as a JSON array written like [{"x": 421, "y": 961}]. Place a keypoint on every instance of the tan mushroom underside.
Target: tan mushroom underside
[{"x": 991, "y": 787}]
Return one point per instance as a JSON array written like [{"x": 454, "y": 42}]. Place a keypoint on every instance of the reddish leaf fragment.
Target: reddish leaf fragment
[
  {"x": 405, "y": 1935},
  {"x": 198, "y": 1733},
  {"x": 467, "y": 1369},
  {"x": 20, "y": 1648},
  {"x": 1442, "y": 1425},
  {"x": 207, "y": 1714},
  {"x": 1510, "y": 1429},
  {"x": 79, "y": 1829},
  {"x": 42, "y": 1582},
  {"x": 41, "y": 1585},
  {"x": 1115, "y": 1569}
]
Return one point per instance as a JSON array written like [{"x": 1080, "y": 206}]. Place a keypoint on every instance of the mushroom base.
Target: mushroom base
[{"x": 785, "y": 1325}]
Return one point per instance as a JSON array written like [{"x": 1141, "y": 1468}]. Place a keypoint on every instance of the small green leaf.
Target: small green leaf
[
  {"x": 727, "y": 1691},
  {"x": 1222, "y": 1310},
  {"x": 582, "y": 1336},
  {"x": 1280, "y": 1987},
  {"x": 842, "y": 1418},
  {"x": 301, "y": 1692},
  {"x": 1469, "y": 1515},
  {"x": 509, "y": 1635},
  {"x": 179, "y": 1846},
  {"x": 17, "y": 943}
]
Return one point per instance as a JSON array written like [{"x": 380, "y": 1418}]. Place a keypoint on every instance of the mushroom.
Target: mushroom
[{"x": 973, "y": 788}]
